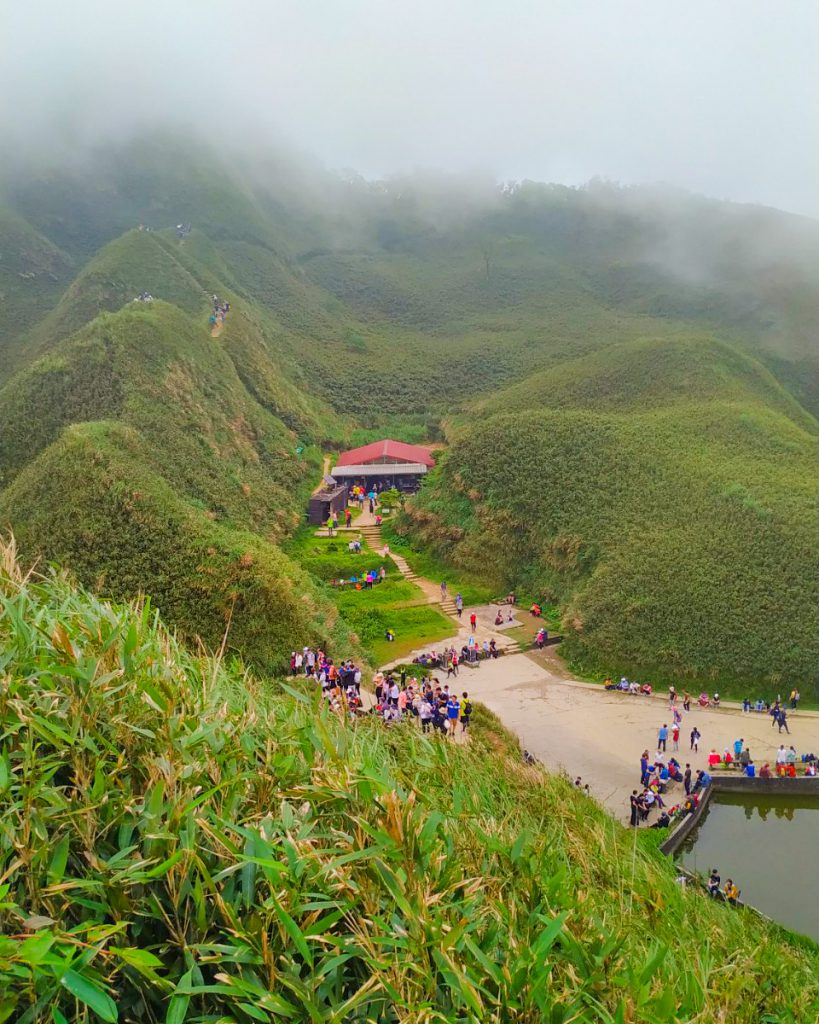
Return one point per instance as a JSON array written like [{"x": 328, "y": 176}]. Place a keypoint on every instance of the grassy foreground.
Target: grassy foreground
[{"x": 180, "y": 841}]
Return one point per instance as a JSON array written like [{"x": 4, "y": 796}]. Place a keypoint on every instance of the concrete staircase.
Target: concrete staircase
[{"x": 371, "y": 534}]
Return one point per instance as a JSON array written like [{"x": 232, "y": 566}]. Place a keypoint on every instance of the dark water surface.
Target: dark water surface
[{"x": 766, "y": 845}]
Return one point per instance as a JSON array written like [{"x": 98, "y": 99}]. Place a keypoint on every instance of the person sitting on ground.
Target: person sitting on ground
[
  {"x": 536, "y": 610},
  {"x": 493, "y": 648},
  {"x": 703, "y": 700},
  {"x": 499, "y": 618},
  {"x": 713, "y": 758},
  {"x": 608, "y": 684},
  {"x": 731, "y": 892},
  {"x": 646, "y": 690},
  {"x": 389, "y": 635},
  {"x": 765, "y": 771},
  {"x": 716, "y": 700},
  {"x": 663, "y": 821},
  {"x": 810, "y": 769},
  {"x": 713, "y": 883}
]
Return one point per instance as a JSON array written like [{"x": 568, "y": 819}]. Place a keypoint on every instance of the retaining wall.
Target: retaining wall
[{"x": 805, "y": 786}]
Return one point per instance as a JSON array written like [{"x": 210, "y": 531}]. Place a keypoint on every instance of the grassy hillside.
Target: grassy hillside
[
  {"x": 627, "y": 376},
  {"x": 182, "y": 842},
  {"x": 94, "y": 502},
  {"x": 186, "y": 482},
  {"x": 33, "y": 274},
  {"x": 676, "y": 531}
]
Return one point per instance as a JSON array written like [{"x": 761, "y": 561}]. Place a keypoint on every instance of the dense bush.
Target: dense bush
[
  {"x": 182, "y": 842},
  {"x": 93, "y": 502},
  {"x": 679, "y": 540}
]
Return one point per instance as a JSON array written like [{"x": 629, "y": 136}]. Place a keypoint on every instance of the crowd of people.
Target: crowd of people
[
  {"x": 434, "y": 706},
  {"x": 219, "y": 311},
  {"x": 471, "y": 653},
  {"x": 659, "y": 773},
  {"x": 396, "y": 697}
]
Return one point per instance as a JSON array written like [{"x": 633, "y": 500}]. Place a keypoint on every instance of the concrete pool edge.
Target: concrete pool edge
[{"x": 805, "y": 786}]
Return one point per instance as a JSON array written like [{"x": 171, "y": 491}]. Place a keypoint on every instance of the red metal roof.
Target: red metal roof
[{"x": 386, "y": 449}]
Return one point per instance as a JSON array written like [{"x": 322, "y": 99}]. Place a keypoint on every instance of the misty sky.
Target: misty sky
[{"x": 719, "y": 96}]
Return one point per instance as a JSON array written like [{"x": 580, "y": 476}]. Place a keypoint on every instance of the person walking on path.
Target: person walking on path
[
  {"x": 443, "y": 590},
  {"x": 687, "y": 780},
  {"x": 675, "y": 736},
  {"x": 662, "y": 737},
  {"x": 473, "y": 621},
  {"x": 782, "y": 720},
  {"x": 695, "y": 739},
  {"x": 459, "y": 604}
]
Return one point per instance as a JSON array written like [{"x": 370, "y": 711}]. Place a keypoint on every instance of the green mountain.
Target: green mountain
[
  {"x": 183, "y": 841},
  {"x": 627, "y": 379},
  {"x": 662, "y": 494}
]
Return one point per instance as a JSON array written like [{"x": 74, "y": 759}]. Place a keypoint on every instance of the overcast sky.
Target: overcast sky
[{"x": 719, "y": 96}]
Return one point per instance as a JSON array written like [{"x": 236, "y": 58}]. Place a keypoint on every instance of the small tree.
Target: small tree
[{"x": 391, "y": 498}]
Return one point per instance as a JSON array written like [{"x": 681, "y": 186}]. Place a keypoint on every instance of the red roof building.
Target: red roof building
[
  {"x": 386, "y": 453},
  {"x": 385, "y": 464}
]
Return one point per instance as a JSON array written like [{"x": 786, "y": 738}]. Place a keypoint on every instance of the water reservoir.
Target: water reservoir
[{"x": 766, "y": 844}]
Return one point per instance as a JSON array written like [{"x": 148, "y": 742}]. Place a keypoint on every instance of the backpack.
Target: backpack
[{"x": 467, "y": 709}]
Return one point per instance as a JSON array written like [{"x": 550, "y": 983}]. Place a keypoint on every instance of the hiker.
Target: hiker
[
  {"x": 459, "y": 604},
  {"x": 348, "y": 519},
  {"x": 453, "y": 712},
  {"x": 473, "y": 621},
  {"x": 466, "y": 712},
  {"x": 675, "y": 736},
  {"x": 443, "y": 590},
  {"x": 782, "y": 721},
  {"x": 695, "y": 739},
  {"x": 662, "y": 737},
  {"x": 686, "y": 701}
]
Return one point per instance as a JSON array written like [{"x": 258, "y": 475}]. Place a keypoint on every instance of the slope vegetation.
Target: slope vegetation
[
  {"x": 182, "y": 842},
  {"x": 664, "y": 498},
  {"x": 627, "y": 377},
  {"x": 134, "y": 453}
]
